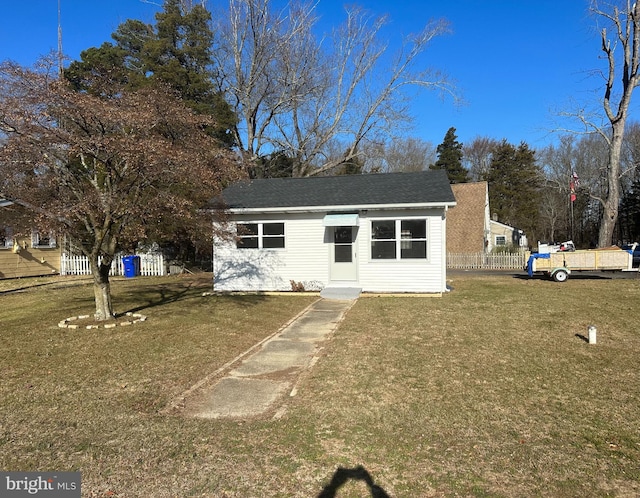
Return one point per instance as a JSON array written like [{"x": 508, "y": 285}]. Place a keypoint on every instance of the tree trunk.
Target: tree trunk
[
  {"x": 611, "y": 203},
  {"x": 102, "y": 288},
  {"x": 627, "y": 28}
]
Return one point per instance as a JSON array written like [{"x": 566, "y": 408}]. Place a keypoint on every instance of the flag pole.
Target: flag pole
[
  {"x": 571, "y": 204},
  {"x": 573, "y": 185}
]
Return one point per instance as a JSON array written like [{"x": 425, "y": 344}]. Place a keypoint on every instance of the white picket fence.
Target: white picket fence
[
  {"x": 482, "y": 261},
  {"x": 150, "y": 265}
]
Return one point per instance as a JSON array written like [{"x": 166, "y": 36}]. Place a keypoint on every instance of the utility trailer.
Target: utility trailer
[{"x": 559, "y": 263}]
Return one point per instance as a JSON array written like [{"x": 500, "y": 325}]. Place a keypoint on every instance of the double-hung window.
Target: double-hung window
[
  {"x": 399, "y": 239},
  {"x": 260, "y": 236}
]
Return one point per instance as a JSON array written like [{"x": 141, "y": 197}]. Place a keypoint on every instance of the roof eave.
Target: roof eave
[{"x": 348, "y": 207}]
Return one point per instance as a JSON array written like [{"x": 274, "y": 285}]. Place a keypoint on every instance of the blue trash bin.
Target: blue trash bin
[{"x": 131, "y": 266}]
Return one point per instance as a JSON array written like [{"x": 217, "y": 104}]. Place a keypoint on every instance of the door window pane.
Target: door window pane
[
  {"x": 343, "y": 253},
  {"x": 343, "y": 235}
]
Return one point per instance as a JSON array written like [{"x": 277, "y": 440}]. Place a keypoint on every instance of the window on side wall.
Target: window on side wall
[
  {"x": 42, "y": 240},
  {"x": 6, "y": 238},
  {"x": 260, "y": 236},
  {"x": 501, "y": 240},
  {"x": 399, "y": 239}
]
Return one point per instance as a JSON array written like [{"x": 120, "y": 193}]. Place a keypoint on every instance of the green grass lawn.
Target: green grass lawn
[{"x": 487, "y": 391}]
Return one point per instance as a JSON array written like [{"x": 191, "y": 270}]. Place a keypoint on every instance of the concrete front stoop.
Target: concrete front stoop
[{"x": 341, "y": 293}]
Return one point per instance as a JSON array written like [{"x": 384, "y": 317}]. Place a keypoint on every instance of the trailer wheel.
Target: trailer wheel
[{"x": 560, "y": 276}]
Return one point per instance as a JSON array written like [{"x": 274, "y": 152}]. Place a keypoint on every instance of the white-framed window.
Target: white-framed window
[
  {"x": 6, "y": 238},
  {"x": 399, "y": 239},
  {"x": 501, "y": 240},
  {"x": 262, "y": 235},
  {"x": 42, "y": 239}
]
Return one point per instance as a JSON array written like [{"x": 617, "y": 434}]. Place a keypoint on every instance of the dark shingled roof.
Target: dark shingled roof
[{"x": 424, "y": 187}]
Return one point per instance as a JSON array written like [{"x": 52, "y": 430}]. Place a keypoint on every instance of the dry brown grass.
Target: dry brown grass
[{"x": 489, "y": 391}]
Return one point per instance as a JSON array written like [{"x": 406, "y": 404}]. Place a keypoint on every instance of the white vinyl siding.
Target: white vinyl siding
[
  {"x": 308, "y": 249},
  {"x": 303, "y": 259},
  {"x": 405, "y": 275}
]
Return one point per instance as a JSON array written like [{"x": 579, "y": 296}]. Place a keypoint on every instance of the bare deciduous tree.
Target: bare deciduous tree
[
  {"x": 404, "y": 154},
  {"x": 477, "y": 156},
  {"x": 300, "y": 94},
  {"x": 622, "y": 54}
]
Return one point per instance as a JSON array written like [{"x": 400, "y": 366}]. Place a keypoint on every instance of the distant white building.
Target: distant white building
[{"x": 505, "y": 235}]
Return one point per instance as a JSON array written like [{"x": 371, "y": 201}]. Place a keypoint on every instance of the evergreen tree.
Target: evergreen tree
[
  {"x": 450, "y": 158},
  {"x": 515, "y": 181},
  {"x": 275, "y": 165},
  {"x": 629, "y": 220},
  {"x": 176, "y": 51},
  {"x": 350, "y": 166}
]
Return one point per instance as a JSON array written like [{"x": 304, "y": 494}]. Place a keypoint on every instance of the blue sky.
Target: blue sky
[{"x": 515, "y": 63}]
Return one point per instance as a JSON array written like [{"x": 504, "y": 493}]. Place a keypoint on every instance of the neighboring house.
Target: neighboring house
[
  {"x": 31, "y": 256},
  {"x": 376, "y": 232},
  {"x": 38, "y": 254},
  {"x": 469, "y": 227},
  {"x": 505, "y": 235}
]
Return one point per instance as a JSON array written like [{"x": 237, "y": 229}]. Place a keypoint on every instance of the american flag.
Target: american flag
[{"x": 574, "y": 183}]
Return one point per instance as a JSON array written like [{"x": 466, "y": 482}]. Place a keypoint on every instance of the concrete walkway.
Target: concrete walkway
[{"x": 253, "y": 384}]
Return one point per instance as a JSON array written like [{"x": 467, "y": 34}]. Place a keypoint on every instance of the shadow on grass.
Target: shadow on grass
[
  {"x": 54, "y": 284},
  {"x": 573, "y": 276},
  {"x": 160, "y": 295},
  {"x": 341, "y": 476}
]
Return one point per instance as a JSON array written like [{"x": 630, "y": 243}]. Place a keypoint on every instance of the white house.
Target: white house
[
  {"x": 505, "y": 235},
  {"x": 375, "y": 232}
]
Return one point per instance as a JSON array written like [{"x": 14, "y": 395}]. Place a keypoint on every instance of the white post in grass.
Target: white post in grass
[{"x": 592, "y": 334}]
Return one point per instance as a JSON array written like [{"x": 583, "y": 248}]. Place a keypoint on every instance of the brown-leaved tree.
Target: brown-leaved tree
[{"x": 106, "y": 168}]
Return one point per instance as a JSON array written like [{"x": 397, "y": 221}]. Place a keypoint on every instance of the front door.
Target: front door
[{"x": 343, "y": 254}]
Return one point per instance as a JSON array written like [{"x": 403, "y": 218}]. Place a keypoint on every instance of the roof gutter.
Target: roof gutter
[{"x": 329, "y": 208}]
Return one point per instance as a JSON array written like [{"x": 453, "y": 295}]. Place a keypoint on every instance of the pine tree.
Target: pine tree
[
  {"x": 176, "y": 51},
  {"x": 629, "y": 221},
  {"x": 450, "y": 158},
  {"x": 514, "y": 181}
]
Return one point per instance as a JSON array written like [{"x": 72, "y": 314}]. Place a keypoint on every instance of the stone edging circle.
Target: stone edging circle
[{"x": 135, "y": 318}]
